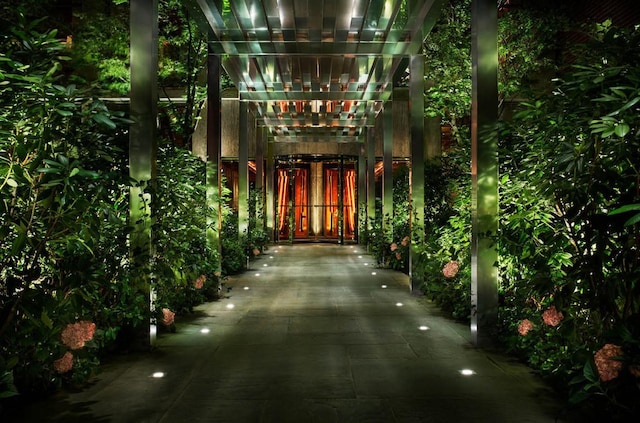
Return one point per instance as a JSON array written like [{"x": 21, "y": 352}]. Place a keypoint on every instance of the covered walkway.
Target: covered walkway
[{"x": 311, "y": 333}]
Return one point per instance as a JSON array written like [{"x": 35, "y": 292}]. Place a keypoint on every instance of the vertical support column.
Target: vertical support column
[
  {"x": 214, "y": 156},
  {"x": 143, "y": 150},
  {"x": 416, "y": 115},
  {"x": 387, "y": 165},
  {"x": 260, "y": 188},
  {"x": 371, "y": 176},
  {"x": 341, "y": 201},
  {"x": 270, "y": 179},
  {"x": 362, "y": 192},
  {"x": 243, "y": 169},
  {"x": 484, "y": 171}
]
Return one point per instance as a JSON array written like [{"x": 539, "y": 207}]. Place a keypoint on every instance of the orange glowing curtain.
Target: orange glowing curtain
[
  {"x": 283, "y": 198},
  {"x": 301, "y": 201},
  {"x": 331, "y": 201},
  {"x": 350, "y": 200}
]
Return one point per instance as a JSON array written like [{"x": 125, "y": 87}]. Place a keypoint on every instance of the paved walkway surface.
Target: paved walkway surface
[{"x": 311, "y": 333}]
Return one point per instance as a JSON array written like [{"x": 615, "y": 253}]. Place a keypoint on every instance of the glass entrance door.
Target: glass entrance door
[{"x": 316, "y": 200}]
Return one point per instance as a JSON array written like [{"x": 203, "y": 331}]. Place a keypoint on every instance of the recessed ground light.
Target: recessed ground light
[
  {"x": 158, "y": 375},
  {"x": 265, "y": 265},
  {"x": 399, "y": 304},
  {"x": 270, "y": 257},
  {"x": 366, "y": 264},
  {"x": 257, "y": 274},
  {"x": 230, "y": 306},
  {"x": 467, "y": 372},
  {"x": 424, "y": 327},
  {"x": 383, "y": 286},
  {"x": 205, "y": 330},
  {"x": 246, "y": 288},
  {"x": 359, "y": 256},
  {"x": 373, "y": 273}
]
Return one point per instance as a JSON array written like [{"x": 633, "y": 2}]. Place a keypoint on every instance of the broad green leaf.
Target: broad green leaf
[
  {"x": 74, "y": 172},
  {"x": 64, "y": 113},
  {"x": 622, "y": 129},
  {"x": 624, "y": 209},
  {"x": 12, "y": 183},
  {"x": 46, "y": 320},
  {"x": 104, "y": 119}
]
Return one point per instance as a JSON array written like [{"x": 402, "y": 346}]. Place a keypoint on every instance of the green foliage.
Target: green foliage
[
  {"x": 63, "y": 198},
  {"x": 569, "y": 160},
  {"x": 446, "y": 233},
  {"x": 181, "y": 252},
  {"x": 390, "y": 244}
]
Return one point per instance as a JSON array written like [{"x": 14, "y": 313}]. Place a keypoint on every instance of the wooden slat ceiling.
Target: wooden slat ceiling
[{"x": 317, "y": 69}]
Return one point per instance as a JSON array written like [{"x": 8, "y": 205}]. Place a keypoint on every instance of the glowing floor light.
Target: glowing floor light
[
  {"x": 373, "y": 273},
  {"x": 383, "y": 286},
  {"x": 157, "y": 375},
  {"x": 359, "y": 256},
  {"x": 423, "y": 327},
  {"x": 467, "y": 372},
  {"x": 204, "y": 330},
  {"x": 230, "y": 306},
  {"x": 246, "y": 288},
  {"x": 399, "y": 304},
  {"x": 257, "y": 274},
  {"x": 265, "y": 265}
]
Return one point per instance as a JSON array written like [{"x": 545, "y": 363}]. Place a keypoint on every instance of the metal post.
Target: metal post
[
  {"x": 371, "y": 176},
  {"x": 484, "y": 171},
  {"x": 270, "y": 177},
  {"x": 260, "y": 188},
  {"x": 243, "y": 169},
  {"x": 416, "y": 115},
  {"x": 387, "y": 166},
  {"x": 361, "y": 202},
  {"x": 214, "y": 155},
  {"x": 143, "y": 149}
]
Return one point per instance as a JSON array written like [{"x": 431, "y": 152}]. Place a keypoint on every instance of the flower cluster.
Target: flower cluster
[
  {"x": 74, "y": 335},
  {"x": 256, "y": 252},
  {"x": 398, "y": 255},
  {"x": 405, "y": 241},
  {"x": 393, "y": 246},
  {"x": 450, "y": 269},
  {"x": 199, "y": 283},
  {"x": 64, "y": 364},
  {"x": 524, "y": 327},
  {"x": 552, "y": 317},
  {"x": 608, "y": 366},
  {"x": 168, "y": 317}
]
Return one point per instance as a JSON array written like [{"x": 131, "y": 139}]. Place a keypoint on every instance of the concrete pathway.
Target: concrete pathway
[{"x": 311, "y": 333}]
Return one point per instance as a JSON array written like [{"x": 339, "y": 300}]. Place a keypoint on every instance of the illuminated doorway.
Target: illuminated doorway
[{"x": 316, "y": 199}]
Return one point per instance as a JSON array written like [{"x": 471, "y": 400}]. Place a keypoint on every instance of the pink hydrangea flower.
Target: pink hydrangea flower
[
  {"x": 524, "y": 327},
  {"x": 405, "y": 241},
  {"x": 399, "y": 256},
  {"x": 450, "y": 269},
  {"x": 393, "y": 246},
  {"x": 608, "y": 367},
  {"x": 74, "y": 335},
  {"x": 199, "y": 283},
  {"x": 217, "y": 274},
  {"x": 168, "y": 317},
  {"x": 552, "y": 317},
  {"x": 256, "y": 252},
  {"x": 64, "y": 364}
]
